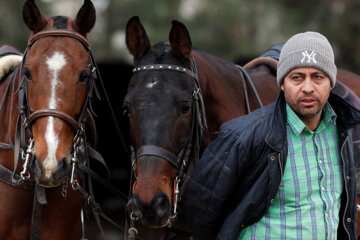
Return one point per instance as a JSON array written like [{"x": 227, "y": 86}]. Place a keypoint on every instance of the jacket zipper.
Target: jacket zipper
[{"x": 346, "y": 189}]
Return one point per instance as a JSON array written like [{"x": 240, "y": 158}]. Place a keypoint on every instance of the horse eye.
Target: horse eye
[
  {"x": 185, "y": 107},
  {"x": 27, "y": 73},
  {"x": 84, "y": 76}
]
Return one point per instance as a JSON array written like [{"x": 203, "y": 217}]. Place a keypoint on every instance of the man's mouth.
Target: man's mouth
[{"x": 308, "y": 101}]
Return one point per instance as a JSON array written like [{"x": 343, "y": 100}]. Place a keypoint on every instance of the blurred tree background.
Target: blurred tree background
[{"x": 232, "y": 29}]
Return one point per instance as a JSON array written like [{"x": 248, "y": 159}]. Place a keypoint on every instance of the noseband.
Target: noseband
[{"x": 182, "y": 160}]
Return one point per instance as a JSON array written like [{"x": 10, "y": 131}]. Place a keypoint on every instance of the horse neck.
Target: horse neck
[{"x": 223, "y": 91}]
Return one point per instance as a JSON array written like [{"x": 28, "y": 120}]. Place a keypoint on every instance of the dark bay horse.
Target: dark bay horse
[
  {"x": 164, "y": 106},
  {"x": 43, "y": 104}
]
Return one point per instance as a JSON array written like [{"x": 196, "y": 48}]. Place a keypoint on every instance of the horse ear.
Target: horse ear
[
  {"x": 137, "y": 40},
  {"x": 180, "y": 39},
  {"x": 32, "y": 16},
  {"x": 85, "y": 19}
]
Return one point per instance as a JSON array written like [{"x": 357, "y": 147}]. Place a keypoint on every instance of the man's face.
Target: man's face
[{"x": 306, "y": 91}]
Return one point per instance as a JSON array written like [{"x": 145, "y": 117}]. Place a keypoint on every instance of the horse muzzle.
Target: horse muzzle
[
  {"x": 50, "y": 178},
  {"x": 156, "y": 214}
]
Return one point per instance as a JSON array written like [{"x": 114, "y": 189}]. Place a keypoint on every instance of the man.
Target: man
[{"x": 285, "y": 171}]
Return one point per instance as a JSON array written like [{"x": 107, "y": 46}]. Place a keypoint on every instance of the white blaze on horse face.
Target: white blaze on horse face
[
  {"x": 151, "y": 84},
  {"x": 55, "y": 63}
]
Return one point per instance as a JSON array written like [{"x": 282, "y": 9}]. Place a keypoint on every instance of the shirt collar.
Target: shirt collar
[{"x": 298, "y": 126}]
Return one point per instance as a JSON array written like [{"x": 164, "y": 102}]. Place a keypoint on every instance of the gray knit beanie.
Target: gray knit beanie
[{"x": 309, "y": 49}]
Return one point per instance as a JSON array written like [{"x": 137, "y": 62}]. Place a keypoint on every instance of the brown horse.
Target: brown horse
[
  {"x": 163, "y": 105},
  {"x": 43, "y": 105}
]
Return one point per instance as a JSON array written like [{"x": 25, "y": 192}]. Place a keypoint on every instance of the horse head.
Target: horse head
[
  {"x": 160, "y": 107},
  {"x": 56, "y": 80}
]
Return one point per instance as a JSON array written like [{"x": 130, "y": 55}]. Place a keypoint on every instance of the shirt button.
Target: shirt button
[
  {"x": 347, "y": 177},
  {"x": 320, "y": 161},
  {"x": 272, "y": 201},
  {"x": 272, "y": 158},
  {"x": 323, "y": 188},
  {"x": 348, "y": 219},
  {"x": 242, "y": 225}
]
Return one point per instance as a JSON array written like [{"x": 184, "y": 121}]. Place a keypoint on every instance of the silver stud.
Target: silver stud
[
  {"x": 138, "y": 69},
  {"x": 169, "y": 67},
  {"x": 184, "y": 69},
  {"x": 160, "y": 66},
  {"x": 144, "y": 67},
  {"x": 152, "y": 67},
  {"x": 177, "y": 68}
]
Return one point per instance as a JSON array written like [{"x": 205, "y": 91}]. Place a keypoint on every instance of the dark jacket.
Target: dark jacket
[{"x": 239, "y": 173}]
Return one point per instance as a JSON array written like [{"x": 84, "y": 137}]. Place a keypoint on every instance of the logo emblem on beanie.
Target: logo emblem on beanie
[{"x": 309, "y": 56}]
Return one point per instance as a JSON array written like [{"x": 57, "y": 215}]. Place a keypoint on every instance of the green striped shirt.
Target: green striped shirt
[{"x": 308, "y": 200}]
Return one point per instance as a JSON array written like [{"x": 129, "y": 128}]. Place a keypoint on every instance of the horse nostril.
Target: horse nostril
[
  {"x": 63, "y": 164},
  {"x": 161, "y": 205},
  {"x": 36, "y": 166},
  {"x": 135, "y": 206}
]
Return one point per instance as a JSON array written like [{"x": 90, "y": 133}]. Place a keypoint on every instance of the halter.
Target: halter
[{"x": 182, "y": 160}]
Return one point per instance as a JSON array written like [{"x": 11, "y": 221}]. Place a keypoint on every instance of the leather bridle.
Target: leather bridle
[
  {"x": 27, "y": 117},
  {"x": 191, "y": 149}
]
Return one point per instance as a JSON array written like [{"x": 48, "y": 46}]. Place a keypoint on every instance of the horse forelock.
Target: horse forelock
[{"x": 60, "y": 22}]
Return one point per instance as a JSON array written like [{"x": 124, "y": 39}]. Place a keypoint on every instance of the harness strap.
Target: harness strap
[
  {"x": 109, "y": 106},
  {"x": 89, "y": 198},
  {"x": 164, "y": 67},
  {"x": 102, "y": 181},
  {"x": 6, "y": 176},
  {"x": 247, "y": 78},
  {"x": 5, "y": 95},
  {"x": 97, "y": 156},
  {"x": 58, "y": 33},
  {"x": 151, "y": 150},
  {"x": 36, "y": 219},
  {"x": 39, "y": 200},
  {"x": 53, "y": 113},
  {"x": 6, "y": 146}
]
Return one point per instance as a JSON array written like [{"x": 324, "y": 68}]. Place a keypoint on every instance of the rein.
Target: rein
[
  {"x": 81, "y": 150},
  {"x": 191, "y": 150}
]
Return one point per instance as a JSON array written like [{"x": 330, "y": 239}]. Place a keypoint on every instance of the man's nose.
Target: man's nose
[{"x": 308, "y": 85}]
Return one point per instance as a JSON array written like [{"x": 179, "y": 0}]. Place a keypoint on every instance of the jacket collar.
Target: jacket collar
[
  {"x": 347, "y": 114},
  {"x": 347, "y": 117},
  {"x": 277, "y": 132}
]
